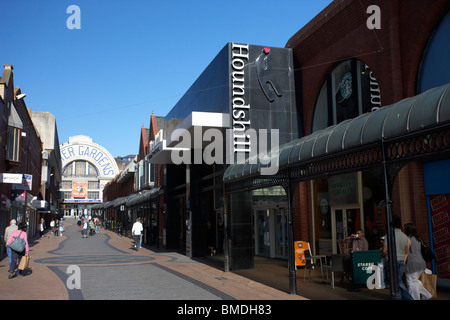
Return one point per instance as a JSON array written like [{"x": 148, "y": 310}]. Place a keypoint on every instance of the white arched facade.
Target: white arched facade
[{"x": 87, "y": 168}]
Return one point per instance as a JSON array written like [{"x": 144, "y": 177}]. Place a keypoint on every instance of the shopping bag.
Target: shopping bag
[
  {"x": 18, "y": 244},
  {"x": 429, "y": 282},
  {"x": 24, "y": 262}
]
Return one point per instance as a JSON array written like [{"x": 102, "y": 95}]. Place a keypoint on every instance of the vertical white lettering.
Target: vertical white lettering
[{"x": 242, "y": 50}]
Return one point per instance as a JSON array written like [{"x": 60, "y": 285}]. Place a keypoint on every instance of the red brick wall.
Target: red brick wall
[{"x": 393, "y": 53}]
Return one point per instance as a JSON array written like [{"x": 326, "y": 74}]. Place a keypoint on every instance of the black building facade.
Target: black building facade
[{"x": 242, "y": 105}]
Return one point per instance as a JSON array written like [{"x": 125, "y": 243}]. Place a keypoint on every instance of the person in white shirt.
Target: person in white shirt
[{"x": 136, "y": 232}]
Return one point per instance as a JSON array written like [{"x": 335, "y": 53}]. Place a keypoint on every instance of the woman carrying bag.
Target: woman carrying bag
[
  {"x": 17, "y": 255},
  {"x": 415, "y": 265}
]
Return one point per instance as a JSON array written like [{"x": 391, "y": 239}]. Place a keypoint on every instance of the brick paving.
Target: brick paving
[
  {"x": 111, "y": 269},
  {"x": 108, "y": 261}
]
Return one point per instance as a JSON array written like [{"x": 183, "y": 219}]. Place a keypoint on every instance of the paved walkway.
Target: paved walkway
[{"x": 111, "y": 269}]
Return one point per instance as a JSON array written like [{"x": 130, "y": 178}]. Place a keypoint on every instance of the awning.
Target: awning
[
  {"x": 107, "y": 205},
  {"x": 428, "y": 110},
  {"x": 143, "y": 197},
  {"x": 119, "y": 201}
]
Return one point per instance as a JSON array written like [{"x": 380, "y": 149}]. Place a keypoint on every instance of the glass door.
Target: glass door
[
  {"x": 262, "y": 226},
  {"x": 271, "y": 238},
  {"x": 345, "y": 221},
  {"x": 281, "y": 249}
]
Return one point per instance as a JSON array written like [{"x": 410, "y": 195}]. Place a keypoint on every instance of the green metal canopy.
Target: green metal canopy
[{"x": 420, "y": 113}]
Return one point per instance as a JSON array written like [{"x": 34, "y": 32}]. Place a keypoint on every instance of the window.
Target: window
[
  {"x": 92, "y": 195},
  {"x": 66, "y": 185},
  {"x": 350, "y": 89},
  {"x": 93, "y": 185},
  {"x": 13, "y": 145},
  {"x": 80, "y": 169}
]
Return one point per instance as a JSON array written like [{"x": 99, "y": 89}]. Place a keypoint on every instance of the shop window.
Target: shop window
[{"x": 349, "y": 90}]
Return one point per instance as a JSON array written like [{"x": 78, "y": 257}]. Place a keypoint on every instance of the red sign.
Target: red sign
[
  {"x": 79, "y": 189},
  {"x": 440, "y": 208}
]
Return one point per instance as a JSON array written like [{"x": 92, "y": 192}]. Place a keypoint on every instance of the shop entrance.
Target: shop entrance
[
  {"x": 270, "y": 230},
  {"x": 346, "y": 220}
]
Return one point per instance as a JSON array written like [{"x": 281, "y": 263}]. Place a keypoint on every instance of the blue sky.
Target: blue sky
[{"x": 130, "y": 57}]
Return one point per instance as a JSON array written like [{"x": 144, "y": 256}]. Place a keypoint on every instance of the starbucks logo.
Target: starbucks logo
[{"x": 346, "y": 85}]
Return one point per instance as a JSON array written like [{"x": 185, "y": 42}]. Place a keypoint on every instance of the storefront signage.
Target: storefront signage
[
  {"x": 343, "y": 189},
  {"x": 10, "y": 177},
  {"x": 240, "y": 106},
  {"x": 92, "y": 153},
  {"x": 26, "y": 183},
  {"x": 363, "y": 264},
  {"x": 374, "y": 89},
  {"x": 80, "y": 201}
]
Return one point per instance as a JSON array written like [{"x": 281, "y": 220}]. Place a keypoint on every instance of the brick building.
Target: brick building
[
  {"x": 353, "y": 101},
  {"x": 20, "y": 156},
  {"x": 396, "y": 57},
  {"x": 351, "y": 74}
]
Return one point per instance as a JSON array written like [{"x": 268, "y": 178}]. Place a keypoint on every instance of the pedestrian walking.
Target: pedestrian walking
[
  {"x": 57, "y": 227},
  {"x": 91, "y": 227},
  {"x": 42, "y": 227},
  {"x": 52, "y": 226},
  {"x": 8, "y": 231},
  {"x": 61, "y": 226},
  {"x": 136, "y": 233},
  {"x": 415, "y": 265},
  {"x": 84, "y": 228},
  {"x": 17, "y": 255},
  {"x": 97, "y": 225},
  {"x": 402, "y": 244}
]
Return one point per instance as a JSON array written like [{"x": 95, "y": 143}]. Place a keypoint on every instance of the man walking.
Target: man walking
[
  {"x": 136, "y": 232},
  {"x": 402, "y": 244},
  {"x": 10, "y": 229}
]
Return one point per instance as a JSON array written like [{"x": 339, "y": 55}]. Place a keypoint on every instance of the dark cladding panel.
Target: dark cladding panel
[
  {"x": 262, "y": 94},
  {"x": 209, "y": 93}
]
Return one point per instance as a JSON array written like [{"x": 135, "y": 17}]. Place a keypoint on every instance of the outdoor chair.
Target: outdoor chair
[
  {"x": 340, "y": 263},
  {"x": 313, "y": 261}
]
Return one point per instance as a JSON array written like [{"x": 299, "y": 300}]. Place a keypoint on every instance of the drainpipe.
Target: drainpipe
[
  {"x": 225, "y": 233},
  {"x": 291, "y": 251}
]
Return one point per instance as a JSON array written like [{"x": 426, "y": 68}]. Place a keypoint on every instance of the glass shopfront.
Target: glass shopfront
[
  {"x": 270, "y": 222},
  {"x": 344, "y": 204},
  {"x": 271, "y": 231}
]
